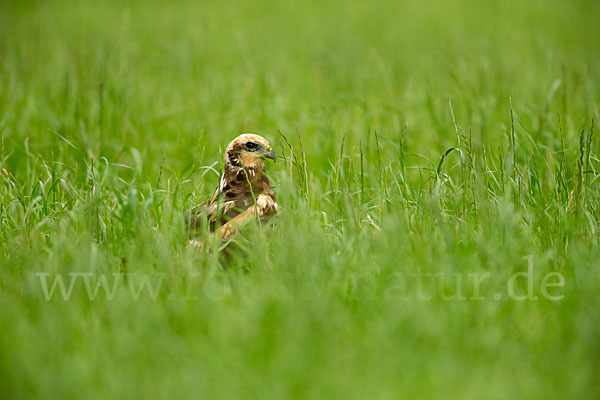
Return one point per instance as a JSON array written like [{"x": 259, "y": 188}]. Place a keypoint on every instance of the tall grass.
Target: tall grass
[{"x": 421, "y": 147}]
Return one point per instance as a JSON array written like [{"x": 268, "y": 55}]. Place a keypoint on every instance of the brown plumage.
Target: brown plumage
[{"x": 244, "y": 193}]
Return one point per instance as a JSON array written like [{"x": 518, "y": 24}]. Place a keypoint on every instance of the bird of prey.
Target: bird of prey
[{"x": 244, "y": 193}]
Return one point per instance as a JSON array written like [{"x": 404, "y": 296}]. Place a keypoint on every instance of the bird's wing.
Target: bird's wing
[
  {"x": 214, "y": 212},
  {"x": 265, "y": 206}
]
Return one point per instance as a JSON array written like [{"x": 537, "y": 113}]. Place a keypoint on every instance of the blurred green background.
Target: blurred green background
[{"x": 113, "y": 117}]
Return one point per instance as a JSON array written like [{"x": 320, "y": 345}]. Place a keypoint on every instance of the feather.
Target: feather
[{"x": 244, "y": 193}]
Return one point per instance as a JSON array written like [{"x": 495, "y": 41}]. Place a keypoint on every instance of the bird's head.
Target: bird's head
[{"x": 249, "y": 150}]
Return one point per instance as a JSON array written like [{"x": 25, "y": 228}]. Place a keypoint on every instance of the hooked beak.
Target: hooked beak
[{"x": 270, "y": 154}]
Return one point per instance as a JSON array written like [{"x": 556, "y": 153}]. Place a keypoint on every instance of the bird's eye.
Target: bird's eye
[{"x": 251, "y": 146}]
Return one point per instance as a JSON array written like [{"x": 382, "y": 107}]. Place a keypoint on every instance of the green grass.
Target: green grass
[{"x": 113, "y": 117}]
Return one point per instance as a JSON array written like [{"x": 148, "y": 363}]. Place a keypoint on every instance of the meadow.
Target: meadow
[{"x": 437, "y": 173}]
